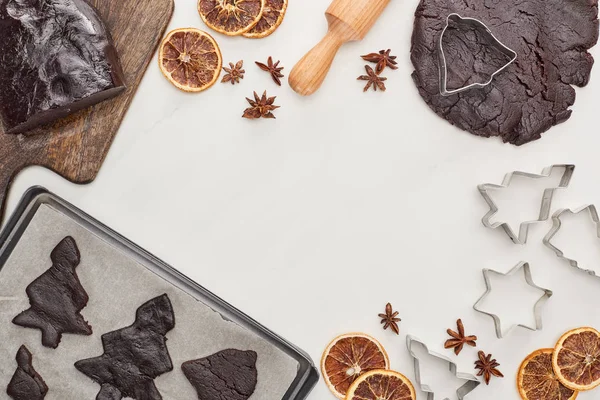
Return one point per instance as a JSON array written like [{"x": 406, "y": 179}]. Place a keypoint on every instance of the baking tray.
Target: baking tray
[{"x": 38, "y": 200}]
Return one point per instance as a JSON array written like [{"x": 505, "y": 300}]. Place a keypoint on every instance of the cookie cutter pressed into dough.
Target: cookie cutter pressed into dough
[
  {"x": 556, "y": 225},
  {"x": 545, "y": 208},
  {"x": 461, "y": 392},
  {"x": 443, "y": 63},
  {"x": 537, "y": 312}
]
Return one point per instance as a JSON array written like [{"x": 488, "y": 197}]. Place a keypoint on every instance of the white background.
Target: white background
[{"x": 312, "y": 222}]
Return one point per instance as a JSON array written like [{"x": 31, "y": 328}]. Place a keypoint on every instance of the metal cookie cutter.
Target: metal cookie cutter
[
  {"x": 556, "y": 225},
  {"x": 536, "y": 308},
  {"x": 471, "y": 380},
  {"x": 443, "y": 65},
  {"x": 545, "y": 208}
]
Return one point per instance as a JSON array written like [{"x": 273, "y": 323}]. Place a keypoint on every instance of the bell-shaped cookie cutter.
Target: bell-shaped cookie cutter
[
  {"x": 443, "y": 63},
  {"x": 471, "y": 380},
  {"x": 537, "y": 308},
  {"x": 545, "y": 208},
  {"x": 556, "y": 225}
]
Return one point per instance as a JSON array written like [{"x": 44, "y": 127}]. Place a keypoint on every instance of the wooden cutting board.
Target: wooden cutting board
[{"x": 75, "y": 148}]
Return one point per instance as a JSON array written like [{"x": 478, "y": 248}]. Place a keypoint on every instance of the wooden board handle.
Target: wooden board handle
[{"x": 308, "y": 75}]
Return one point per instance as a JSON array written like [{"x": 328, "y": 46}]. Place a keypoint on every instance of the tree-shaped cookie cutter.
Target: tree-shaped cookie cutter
[
  {"x": 556, "y": 225},
  {"x": 443, "y": 63},
  {"x": 537, "y": 308},
  {"x": 545, "y": 208},
  {"x": 471, "y": 380}
]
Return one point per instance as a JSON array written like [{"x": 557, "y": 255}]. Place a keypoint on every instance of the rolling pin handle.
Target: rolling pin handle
[{"x": 310, "y": 72}]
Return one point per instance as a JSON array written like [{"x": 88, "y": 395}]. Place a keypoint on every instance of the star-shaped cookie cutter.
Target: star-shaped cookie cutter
[
  {"x": 443, "y": 63},
  {"x": 556, "y": 225},
  {"x": 545, "y": 208},
  {"x": 461, "y": 392},
  {"x": 536, "y": 308}
]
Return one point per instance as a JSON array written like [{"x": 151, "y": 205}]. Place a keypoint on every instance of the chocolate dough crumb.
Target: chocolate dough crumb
[
  {"x": 551, "y": 39},
  {"x": 26, "y": 383},
  {"x": 134, "y": 356},
  {"x": 226, "y": 375},
  {"x": 57, "y": 297}
]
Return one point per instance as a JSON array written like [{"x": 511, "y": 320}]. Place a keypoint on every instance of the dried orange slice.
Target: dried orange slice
[
  {"x": 272, "y": 17},
  {"x": 349, "y": 356},
  {"x": 231, "y": 17},
  {"x": 536, "y": 379},
  {"x": 190, "y": 59},
  {"x": 576, "y": 359},
  {"x": 382, "y": 385}
]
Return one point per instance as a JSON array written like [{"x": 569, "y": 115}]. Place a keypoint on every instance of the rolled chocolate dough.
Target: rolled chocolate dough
[{"x": 551, "y": 39}]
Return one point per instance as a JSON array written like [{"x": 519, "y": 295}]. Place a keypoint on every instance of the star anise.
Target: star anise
[
  {"x": 273, "y": 69},
  {"x": 234, "y": 73},
  {"x": 390, "y": 319},
  {"x": 487, "y": 367},
  {"x": 459, "y": 339},
  {"x": 383, "y": 59},
  {"x": 260, "y": 107},
  {"x": 373, "y": 79}
]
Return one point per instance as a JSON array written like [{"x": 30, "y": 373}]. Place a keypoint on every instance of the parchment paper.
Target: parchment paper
[{"x": 117, "y": 285}]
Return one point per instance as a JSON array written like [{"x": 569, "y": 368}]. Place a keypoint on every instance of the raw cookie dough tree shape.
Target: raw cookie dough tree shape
[
  {"x": 57, "y": 297},
  {"x": 134, "y": 356},
  {"x": 227, "y": 375},
  {"x": 26, "y": 383}
]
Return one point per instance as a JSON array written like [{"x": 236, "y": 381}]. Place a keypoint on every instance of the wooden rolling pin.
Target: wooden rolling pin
[{"x": 349, "y": 20}]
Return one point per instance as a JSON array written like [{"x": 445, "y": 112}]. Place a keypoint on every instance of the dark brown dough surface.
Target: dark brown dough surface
[
  {"x": 26, "y": 383},
  {"x": 551, "y": 38},
  {"x": 227, "y": 375},
  {"x": 135, "y": 355},
  {"x": 57, "y": 58},
  {"x": 57, "y": 297}
]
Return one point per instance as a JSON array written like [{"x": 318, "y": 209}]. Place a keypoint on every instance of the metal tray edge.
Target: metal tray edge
[{"x": 308, "y": 375}]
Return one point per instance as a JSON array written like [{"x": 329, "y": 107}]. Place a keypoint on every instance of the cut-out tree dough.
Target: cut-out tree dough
[
  {"x": 57, "y": 297},
  {"x": 134, "y": 356},
  {"x": 26, "y": 383},
  {"x": 227, "y": 375}
]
